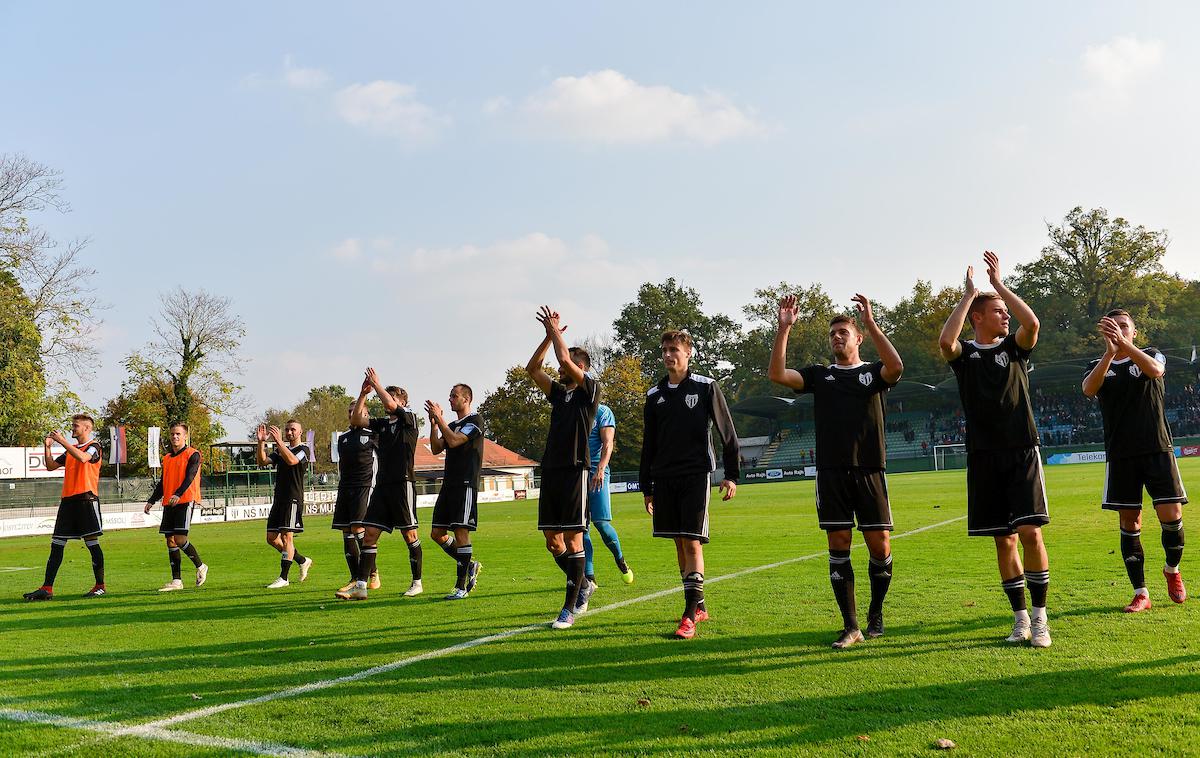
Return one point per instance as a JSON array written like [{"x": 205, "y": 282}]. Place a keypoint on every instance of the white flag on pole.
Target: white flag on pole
[
  {"x": 333, "y": 451},
  {"x": 152, "y": 445}
]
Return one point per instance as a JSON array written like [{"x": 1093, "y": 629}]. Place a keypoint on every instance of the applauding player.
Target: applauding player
[
  {"x": 1139, "y": 452},
  {"x": 456, "y": 512},
  {"x": 851, "y": 485},
  {"x": 286, "y": 518}
]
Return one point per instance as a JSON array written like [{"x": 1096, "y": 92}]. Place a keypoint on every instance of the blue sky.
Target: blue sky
[{"x": 402, "y": 185}]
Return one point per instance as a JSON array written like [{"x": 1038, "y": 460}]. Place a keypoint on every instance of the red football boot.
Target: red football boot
[
  {"x": 686, "y": 630},
  {"x": 1140, "y": 602},
  {"x": 1175, "y": 588}
]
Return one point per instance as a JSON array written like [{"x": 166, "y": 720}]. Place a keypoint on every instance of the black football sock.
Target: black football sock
[
  {"x": 1039, "y": 586},
  {"x": 415, "y": 558},
  {"x": 841, "y": 578},
  {"x": 1134, "y": 557},
  {"x": 449, "y": 548},
  {"x": 563, "y": 562},
  {"x": 190, "y": 551},
  {"x": 463, "y": 558},
  {"x": 1172, "y": 541},
  {"x": 366, "y": 562},
  {"x": 176, "y": 562},
  {"x": 1015, "y": 589},
  {"x": 93, "y": 547},
  {"x": 297, "y": 557},
  {"x": 353, "y": 550},
  {"x": 576, "y": 565},
  {"x": 880, "y": 573},
  {"x": 693, "y": 593},
  {"x": 285, "y": 566},
  {"x": 57, "y": 547}
]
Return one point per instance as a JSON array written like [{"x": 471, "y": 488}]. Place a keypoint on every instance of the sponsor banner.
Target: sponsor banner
[
  {"x": 130, "y": 519},
  {"x": 28, "y": 463},
  {"x": 319, "y": 508},
  {"x": 1093, "y": 456},
  {"x": 519, "y": 494},
  {"x": 615, "y": 487},
  {"x": 779, "y": 474},
  {"x": 208, "y": 514},
  {"x": 18, "y": 527},
  {"x": 774, "y": 473},
  {"x": 632, "y": 487},
  {"x": 1187, "y": 451},
  {"x": 247, "y": 512}
]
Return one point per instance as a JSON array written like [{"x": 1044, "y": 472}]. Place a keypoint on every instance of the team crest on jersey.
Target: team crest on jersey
[
  {"x": 691, "y": 400},
  {"x": 866, "y": 379},
  {"x": 1134, "y": 370},
  {"x": 1002, "y": 360},
  {"x": 567, "y": 397},
  {"x": 364, "y": 439}
]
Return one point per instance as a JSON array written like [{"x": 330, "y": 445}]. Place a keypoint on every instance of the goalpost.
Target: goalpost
[{"x": 949, "y": 456}]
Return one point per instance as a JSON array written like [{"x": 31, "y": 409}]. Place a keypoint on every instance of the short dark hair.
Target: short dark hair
[
  {"x": 578, "y": 352},
  {"x": 84, "y": 417},
  {"x": 1119, "y": 312},
  {"x": 677, "y": 335},
  {"x": 466, "y": 390},
  {"x": 843, "y": 319},
  {"x": 179, "y": 423},
  {"x": 293, "y": 421},
  {"x": 397, "y": 392},
  {"x": 979, "y": 303}
]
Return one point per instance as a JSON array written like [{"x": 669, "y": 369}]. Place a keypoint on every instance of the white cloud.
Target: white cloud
[
  {"x": 1121, "y": 62},
  {"x": 609, "y": 107},
  {"x": 298, "y": 77},
  {"x": 349, "y": 249},
  {"x": 388, "y": 108}
]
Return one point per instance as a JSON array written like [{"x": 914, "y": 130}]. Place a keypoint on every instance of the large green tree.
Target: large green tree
[
  {"x": 1094, "y": 263},
  {"x": 914, "y": 324},
  {"x": 139, "y": 407},
  {"x": 516, "y": 414},
  {"x": 324, "y": 410},
  {"x": 623, "y": 386},
  {"x": 671, "y": 305},
  {"x": 27, "y": 412}
]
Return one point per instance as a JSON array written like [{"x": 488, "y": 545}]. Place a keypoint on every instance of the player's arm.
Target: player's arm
[
  {"x": 260, "y": 451},
  {"x": 723, "y": 420},
  {"x": 389, "y": 403},
  {"x": 155, "y": 495},
  {"x": 86, "y": 454},
  {"x": 777, "y": 370},
  {"x": 948, "y": 343},
  {"x": 436, "y": 446},
  {"x": 608, "y": 436},
  {"x": 893, "y": 366},
  {"x": 47, "y": 456},
  {"x": 649, "y": 450},
  {"x": 536, "y": 367},
  {"x": 281, "y": 449},
  {"x": 1095, "y": 378},
  {"x": 1027, "y": 333},
  {"x": 359, "y": 417},
  {"x": 555, "y": 330}
]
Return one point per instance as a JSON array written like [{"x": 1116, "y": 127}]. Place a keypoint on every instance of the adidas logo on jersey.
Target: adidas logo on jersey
[
  {"x": 1002, "y": 360},
  {"x": 974, "y": 355},
  {"x": 1110, "y": 372},
  {"x": 661, "y": 400},
  {"x": 829, "y": 378}
]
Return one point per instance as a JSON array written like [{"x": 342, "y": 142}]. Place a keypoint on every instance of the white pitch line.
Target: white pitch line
[
  {"x": 116, "y": 729},
  {"x": 403, "y": 662}
]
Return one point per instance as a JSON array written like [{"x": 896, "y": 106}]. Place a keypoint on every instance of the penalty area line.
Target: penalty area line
[{"x": 304, "y": 689}]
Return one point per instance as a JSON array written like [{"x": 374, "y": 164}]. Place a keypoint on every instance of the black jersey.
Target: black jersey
[
  {"x": 1135, "y": 420},
  {"x": 993, "y": 384},
  {"x": 397, "y": 446},
  {"x": 677, "y": 440},
  {"x": 356, "y": 458},
  {"x": 463, "y": 463},
  {"x": 289, "y": 479},
  {"x": 848, "y": 405},
  {"x": 571, "y": 415}
]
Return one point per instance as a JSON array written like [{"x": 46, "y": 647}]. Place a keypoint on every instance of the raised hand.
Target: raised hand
[
  {"x": 433, "y": 409},
  {"x": 275, "y": 434},
  {"x": 788, "y": 312},
  {"x": 969, "y": 284},
  {"x": 993, "y": 267},
  {"x": 261, "y": 433},
  {"x": 863, "y": 306},
  {"x": 549, "y": 320},
  {"x": 1111, "y": 333}
]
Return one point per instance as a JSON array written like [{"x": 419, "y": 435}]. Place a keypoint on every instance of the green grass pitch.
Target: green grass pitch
[{"x": 759, "y": 677}]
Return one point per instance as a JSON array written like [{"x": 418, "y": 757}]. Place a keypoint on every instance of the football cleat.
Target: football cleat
[
  {"x": 875, "y": 625},
  {"x": 304, "y": 567},
  {"x": 585, "y": 594},
  {"x": 1040, "y": 634},
  {"x": 848, "y": 638},
  {"x": 1175, "y": 589},
  {"x": 41, "y": 593},
  {"x": 686, "y": 630},
  {"x": 1141, "y": 602},
  {"x": 278, "y": 583},
  {"x": 96, "y": 591},
  {"x": 171, "y": 586},
  {"x": 565, "y": 620},
  {"x": 373, "y": 582},
  {"x": 349, "y": 586},
  {"x": 414, "y": 589},
  {"x": 627, "y": 575},
  {"x": 701, "y": 615},
  {"x": 458, "y": 594},
  {"x": 473, "y": 572},
  {"x": 344, "y": 592},
  {"x": 358, "y": 593},
  {"x": 1020, "y": 631},
  {"x": 201, "y": 574}
]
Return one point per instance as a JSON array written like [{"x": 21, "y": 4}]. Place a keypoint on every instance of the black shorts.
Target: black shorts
[
  {"x": 176, "y": 519},
  {"x": 392, "y": 506},
  {"x": 681, "y": 506},
  {"x": 562, "y": 504},
  {"x": 845, "y": 495},
  {"x": 1158, "y": 473},
  {"x": 78, "y": 518},
  {"x": 350, "y": 509},
  {"x": 286, "y": 516},
  {"x": 1005, "y": 489},
  {"x": 456, "y": 508}
]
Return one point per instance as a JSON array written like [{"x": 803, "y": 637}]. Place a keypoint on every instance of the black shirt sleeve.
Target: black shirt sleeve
[
  {"x": 811, "y": 376},
  {"x": 880, "y": 384},
  {"x": 725, "y": 431},
  {"x": 156, "y": 494},
  {"x": 649, "y": 445},
  {"x": 193, "y": 468},
  {"x": 61, "y": 460}
]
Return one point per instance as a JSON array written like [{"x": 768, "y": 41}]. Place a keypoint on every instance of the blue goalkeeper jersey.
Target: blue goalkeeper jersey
[{"x": 604, "y": 417}]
